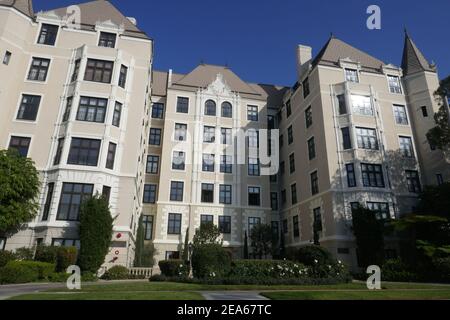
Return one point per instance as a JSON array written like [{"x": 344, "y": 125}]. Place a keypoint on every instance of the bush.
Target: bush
[
  {"x": 173, "y": 268},
  {"x": 26, "y": 271},
  {"x": 442, "y": 267},
  {"x": 311, "y": 255},
  {"x": 5, "y": 257},
  {"x": 65, "y": 257},
  {"x": 88, "y": 276},
  {"x": 274, "y": 269},
  {"x": 397, "y": 270},
  {"x": 116, "y": 273},
  {"x": 210, "y": 260},
  {"x": 46, "y": 253},
  {"x": 24, "y": 253}
]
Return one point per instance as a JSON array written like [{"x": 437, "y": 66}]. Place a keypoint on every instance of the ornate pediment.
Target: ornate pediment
[{"x": 219, "y": 87}]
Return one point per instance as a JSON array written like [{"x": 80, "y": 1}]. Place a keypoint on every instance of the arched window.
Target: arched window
[
  {"x": 210, "y": 108},
  {"x": 227, "y": 110}
]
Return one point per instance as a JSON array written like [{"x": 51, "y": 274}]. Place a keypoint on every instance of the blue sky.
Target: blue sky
[{"x": 257, "y": 39}]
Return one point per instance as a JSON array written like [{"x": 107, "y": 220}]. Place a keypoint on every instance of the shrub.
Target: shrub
[
  {"x": 26, "y": 271},
  {"x": 312, "y": 255},
  {"x": 158, "y": 278},
  {"x": 116, "y": 273},
  {"x": 65, "y": 257},
  {"x": 58, "y": 277},
  {"x": 46, "y": 253},
  {"x": 96, "y": 225},
  {"x": 172, "y": 268},
  {"x": 24, "y": 253},
  {"x": 210, "y": 260},
  {"x": 274, "y": 269},
  {"x": 88, "y": 276},
  {"x": 397, "y": 270},
  {"x": 5, "y": 257},
  {"x": 442, "y": 267}
]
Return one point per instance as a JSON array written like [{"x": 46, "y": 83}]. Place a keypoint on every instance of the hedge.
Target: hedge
[
  {"x": 5, "y": 257},
  {"x": 210, "y": 260},
  {"x": 26, "y": 271},
  {"x": 63, "y": 257},
  {"x": 275, "y": 269},
  {"x": 116, "y": 273},
  {"x": 172, "y": 268}
]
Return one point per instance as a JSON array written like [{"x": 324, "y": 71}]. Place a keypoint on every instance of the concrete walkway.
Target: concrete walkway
[
  {"x": 232, "y": 295},
  {"x": 11, "y": 290}
]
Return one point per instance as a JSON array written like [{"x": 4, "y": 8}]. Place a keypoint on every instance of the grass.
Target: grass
[{"x": 145, "y": 290}]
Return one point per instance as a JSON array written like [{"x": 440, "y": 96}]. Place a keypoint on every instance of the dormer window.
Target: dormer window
[
  {"x": 107, "y": 40},
  {"x": 394, "y": 84},
  {"x": 48, "y": 34},
  {"x": 351, "y": 75}
]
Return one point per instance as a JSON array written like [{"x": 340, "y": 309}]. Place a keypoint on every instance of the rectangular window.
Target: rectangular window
[
  {"x": 283, "y": 196},
  {"x": 381, "y": 210},
  {"x": 288, "y": 108},
  {"x": 206, "y": 218},
  {"x": 6, "y": 60},
  {"x": 106, "y": 193},
  {"x": 294, "y": 194},
  {"x": 155, "y": 137},
  {"x": 147, "y": 224},
  {"x": 406, "y": 147},
  {"x": 282, "y": 168},
  {"x": 48, "y": 34},
  {"x": 281, "y": 140},
  {"x": 225, "y": 194},
  {"x": 351, "y": 178},
  {"x": 296, "y": 226},
  {"x": 317, "y": 220},
  {"x": 439, "y": 178},
  {"x": 176, "y": 190},
  {"x": 59, "y": 150},
  {"x": 92, "y": 109},
  {"x": 76, "y": 70},
  {"x": 273, "y": 178},
  {"x": 149, "y": 193},
  {"x": 72, "y": 195},
  {"x": 117, "y": 114},
  {"x": 68, "y": 109},
  {"x": 107, "y": 40},
  {"x": 362, "y": 105},
  {"x": 84, "y": 152},
  {"x": 253, "y": 138},
  {"x": 292, "y": 163},
  {"x": 61, "y": 242},
  {"x": 314, "y": 183},
  {"x": 305, "y": 85},
  {"x": 29, "y": 107},
  {"x": 342, "y": 104},
  {"x": 225, "y": 135},
  {"x": 48, "y": 201},
  {"x": 285, "y": 226},
  {"x": 226, "y": 164},
  {"x": 182, "y": 105},
  {"x": 152, "y": 164},
  {"x": 111, "y": 156},
  {"x": 157, "y": 110},
  {"x": 174, "y": 223},
  {"x": 123, "y": 76},
  {"x": 21, "y": 144},
  {"x": 413, "y": 181},
  {"x": 254, "y": 196},
  {"x": 225, "y": 224},
  {"x": 367, "y": 138},
  {"x": 99, "y": 71},
  {"x": 253, "y": 167},
  {"x": 39, "y": 69},
  {"x": 252, "y": 113},
  {"x": 180, "y": 131},
  {"x": 347, "y": 142},
  {"x": 252, "y": 222},
  {"x": 270, "y": 122},
  {"x": 208, "y": 163},
  {"x": 209, "y": 134},
  {"x": 178, "y": 160},
  {"x": 308, "y": 117},
  {"x": 172, "y": 255},
  {"x": 400, "y": 114},
  {"x": 207, "y": 192},
  {"x": 311, "y": 148},
  {"x": 394, "y": 84},
  {"x": 290, "y": 135},
  {"x": 351, "y": 75},
  {"x": 372, "y": 175},
  {"x": 274, "y": 200},
  {"x": 424, "y": 111}
]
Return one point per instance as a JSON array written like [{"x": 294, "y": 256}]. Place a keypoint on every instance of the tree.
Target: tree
[
  {"x": 245, "y": 246},
  {"x": 96, "y": 229},
  {"x": 144, "y": 255},
  {"x": 261, "y": 236},
  {"x": 207, "y": 233},
  {"x": 19, "y": 190},
  {"x": 439, "y": 136},
  {"x": 369, "y": 234},
  {"x": 185, "y": 256}
]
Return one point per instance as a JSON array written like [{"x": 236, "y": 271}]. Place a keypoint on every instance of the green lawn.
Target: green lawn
[{"x": 146, "y": 290}]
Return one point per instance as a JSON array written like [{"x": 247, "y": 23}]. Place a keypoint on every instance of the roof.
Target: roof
[
  {"x": 24, "y": 6},
  {"x": 336, "y": 49},
  {"x": 413, "y": 60},
  {"x": 100, "y": 11}
]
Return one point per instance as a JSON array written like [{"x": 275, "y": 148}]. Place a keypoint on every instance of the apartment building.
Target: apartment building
[
  {"x": 73, "y": 97},
  {"x": 184, "y": 149}
]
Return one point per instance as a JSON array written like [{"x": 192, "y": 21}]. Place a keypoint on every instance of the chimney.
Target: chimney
[
  {"x": 304, "y": 56},
  {"x": 169, "y": 78}
]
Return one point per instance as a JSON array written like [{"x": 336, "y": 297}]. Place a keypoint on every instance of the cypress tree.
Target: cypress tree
[{"x": 245, "y": 246}]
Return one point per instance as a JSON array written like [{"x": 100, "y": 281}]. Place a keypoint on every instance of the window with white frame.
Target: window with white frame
[
  {"x": 400, "y": 114},
  {"x": 209, "y": 134},
  {"x": 406, "y": 147},
  {"x": 394, "y": 84},
  {"x": 351, "y": 75},
  {"x": 178, "y": 160},
  {"x": 361, "y": 105},
  {"x": 366, "y": 138},
  {"x": 180, "y": 131}
]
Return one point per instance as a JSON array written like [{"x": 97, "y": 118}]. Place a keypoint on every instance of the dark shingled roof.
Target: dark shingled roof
[
  {"x": 24, "y": 6},
  {"x": 413, "y": 60}
]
